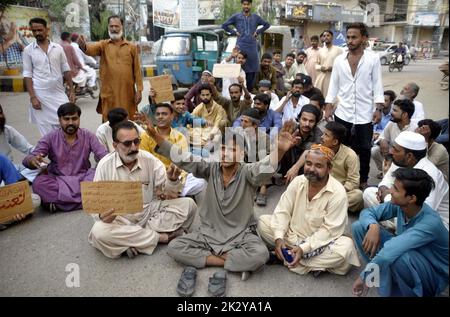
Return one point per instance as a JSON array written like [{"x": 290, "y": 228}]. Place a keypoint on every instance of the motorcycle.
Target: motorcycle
[
  {"x": 444, "y": 81},
  {"x": 83, "y": 92},
  {"x": 396, "y": 62}
]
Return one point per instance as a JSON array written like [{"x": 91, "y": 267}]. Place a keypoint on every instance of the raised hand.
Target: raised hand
[{"x": 173, "y": 173}]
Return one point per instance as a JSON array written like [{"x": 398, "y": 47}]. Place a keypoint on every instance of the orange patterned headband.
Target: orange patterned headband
[{"x": 326, "y": 151}]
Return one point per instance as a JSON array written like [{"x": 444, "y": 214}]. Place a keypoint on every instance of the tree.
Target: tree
[{"x": 99, "y": 28}]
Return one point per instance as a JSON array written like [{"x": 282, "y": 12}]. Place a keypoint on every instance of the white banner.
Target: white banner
[{"x": 178, "y": 14}]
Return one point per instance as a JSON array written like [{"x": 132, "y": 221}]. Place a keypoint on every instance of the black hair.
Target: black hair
[
  {"x": 310, "y": 109},
  {"x": 360, "y": 26},
  {"x": 115, "y": 17},
  {"x": 244, "y": 54},
  {"x": 290, "y": 55},
  {"x": 277, "y": 52},
  {"x": 416, "y": 182},
  {"x": 338, "y": 130},
  {"x": 264, "y": 98},
  {"x": 205, "y": 87},
  {"x": 405, "y": 105},
  {"x": 117, "y": 115},
  {"x": 314, "y": 37},
  {"x": 319, "y": 98},
  {"x": 418, "y": 154},
  {"x": 178, "y": 96},
  {"x": 392, "y": 95},
  {"x": 235, "y": 85},
  {"x": 38, "y": 21},
  {"x": 65, "y": 36},
  {"x": 164, "y": 105},
  {"x": 249, "y": 1},
  {"x": 302, "y": 53},
  {"x": 68, "y": 109},
  {"x": 297, "y": 82},
  {"x": 327, "y": 31},
  {"x": 266, "y": 56},
  {"x": 125, "y": 125},
  {"x": 435, "y": 128}
]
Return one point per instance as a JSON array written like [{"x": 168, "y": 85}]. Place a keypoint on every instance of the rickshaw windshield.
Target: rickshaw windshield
[{"x": 175, "y": 46}]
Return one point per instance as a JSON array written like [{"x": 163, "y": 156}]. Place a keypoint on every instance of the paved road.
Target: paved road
[{"x": 34, "y": 255}]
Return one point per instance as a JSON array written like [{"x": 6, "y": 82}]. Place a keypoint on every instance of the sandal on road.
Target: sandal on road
[
  {"x": 218, "y": 284},
  {"x": 186, "y": 284}
]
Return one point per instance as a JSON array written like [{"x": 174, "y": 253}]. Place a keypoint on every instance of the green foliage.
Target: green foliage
[{"x": 99, "y": 29}]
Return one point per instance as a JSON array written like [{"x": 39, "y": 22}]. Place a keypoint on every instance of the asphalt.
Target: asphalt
[{"x": 34, "y": 254}]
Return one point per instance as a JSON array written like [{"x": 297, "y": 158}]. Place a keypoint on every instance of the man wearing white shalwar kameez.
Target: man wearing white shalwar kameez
[
  {"x": 310, "y": 220},
  {"x": 44, "y": 66},
  {"x": 160, "y": 221}
]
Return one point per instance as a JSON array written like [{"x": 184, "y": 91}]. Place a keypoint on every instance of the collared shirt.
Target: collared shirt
[
  {"x": 289, "y": 73},
  {"x": 46, "y": 69},
  {"x": 346, "y": 167},
  {"x": 13, "y": 54},
  {"x": 12, "y": 138},
  {"x": 148, "y": 170},
  {"x": 104, "y": 135},
  {"x": 438, "y": 198},
  {"x": 317, "y": 222},
  {"x": 228, "y": 212},
  {"x": 392, "y": 131},
  {"x": 65, "y": 159},
  {"x": 385, "y": 119},
  {"x": 291, "y": 112},
  {"x": 175, "y": 137},
  {"x": 424, "y": 233},
  {"x": 357, "y": 94}
]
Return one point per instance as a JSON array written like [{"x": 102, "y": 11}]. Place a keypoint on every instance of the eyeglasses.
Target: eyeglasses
[{"x": 136, "y": 141}]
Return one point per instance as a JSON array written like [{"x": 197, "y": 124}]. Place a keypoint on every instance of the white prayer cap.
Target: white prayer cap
[{"x": 411, "y": 140}]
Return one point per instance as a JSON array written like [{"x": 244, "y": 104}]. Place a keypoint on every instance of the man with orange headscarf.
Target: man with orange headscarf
[{"x": 309, "y": 221}]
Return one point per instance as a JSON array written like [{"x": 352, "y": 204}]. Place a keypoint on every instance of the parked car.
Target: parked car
[{"x": 386, "y": 50}]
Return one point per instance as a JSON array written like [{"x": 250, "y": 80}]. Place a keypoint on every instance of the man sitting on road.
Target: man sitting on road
[
  {"x": 160, "y": 221},
  {"x": 68, "y": 150},
  {"x": 309, "y": 221}
]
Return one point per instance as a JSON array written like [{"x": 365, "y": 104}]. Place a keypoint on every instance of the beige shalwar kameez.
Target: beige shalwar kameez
[
  {"x": 325, "y": 58},
  {"x": 312, "y": 225},
  {"x": 141, "y": 230}
]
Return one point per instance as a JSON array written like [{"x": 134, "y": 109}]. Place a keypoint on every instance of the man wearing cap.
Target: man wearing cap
[
  {"x": 269, "y": 120},
  {"x": 410, "y": 150},
  {"x": 246, "y": 29},
  {"x": 308, "y": 88},
  {"x": 310, "y": 220}
]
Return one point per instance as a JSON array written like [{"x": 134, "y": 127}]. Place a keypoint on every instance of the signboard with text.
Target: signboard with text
[{"x": 298, "y": 11}]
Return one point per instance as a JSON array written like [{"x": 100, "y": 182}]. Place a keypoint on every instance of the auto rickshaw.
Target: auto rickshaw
[
  {"x": 277, "y": 38},
  {"x": 186, "y": 54}
]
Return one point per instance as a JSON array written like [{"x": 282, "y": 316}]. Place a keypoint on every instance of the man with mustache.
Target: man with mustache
[
  {"x": 312, "y": 54},
  {"x": 120, "y": 70},
  {"x": 246, "y": 29},
  {"x": 356, "y": 83},
  {"x": 309, "y": 220},
  {"x": 291, "y": 105},
  {"x": 161, "y": 219},
  {"x": 267, "y": 71},
  {"x": 68, "y": 150},
  {"x": 410, "y": 150},
  {"x": 44, "y": 66}
]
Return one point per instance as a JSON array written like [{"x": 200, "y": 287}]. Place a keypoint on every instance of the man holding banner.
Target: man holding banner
[{"x": 162, "y": 218}]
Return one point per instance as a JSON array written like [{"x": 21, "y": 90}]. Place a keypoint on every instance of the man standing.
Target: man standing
[
  {"x": 414, "y": 262},
  {"x": 44, "y": 66},
  {"x": 312, "y": 54},
  {"x": 160, "y": 221},
  {"x": 120, "y": 70},
  {"x": 68, "y": 149},
  {"x": 325, "y": 61},
  {"x": 246, "y": 29},
  {"x": 310, "y": 221},
  {"x": 356, "y": 82}
]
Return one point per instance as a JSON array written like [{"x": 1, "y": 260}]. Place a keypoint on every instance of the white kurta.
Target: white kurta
[
  {"x": 290, "y": 112},
  {"x": 46, "y": 70},
  {"x": 325, "y": 58}
]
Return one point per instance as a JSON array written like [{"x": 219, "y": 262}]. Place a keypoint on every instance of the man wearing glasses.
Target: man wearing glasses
[{"x": 162, "y": 218}]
